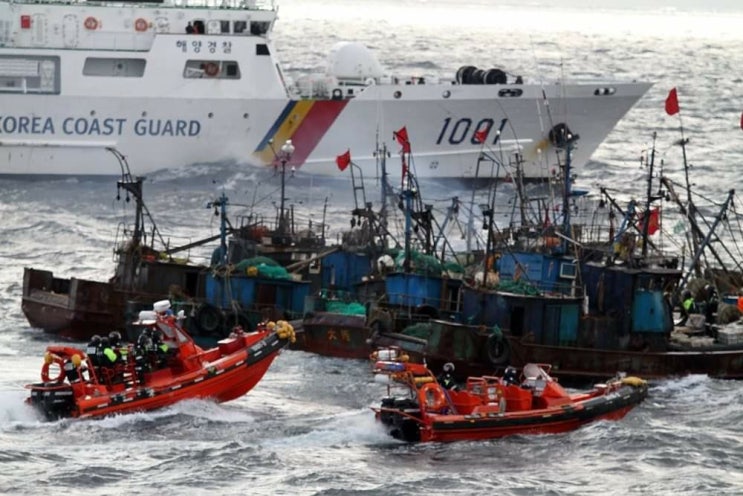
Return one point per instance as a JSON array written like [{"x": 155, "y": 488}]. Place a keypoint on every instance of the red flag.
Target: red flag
[
  {"x": 343, "y": 160},
  {"x": 741, "y": 121},
  {"x": 402, "y": 137},
  {"x": 653, "y": 221},
  {"x": 672, "y": 102},
  {"x": 481, "y": 135}
]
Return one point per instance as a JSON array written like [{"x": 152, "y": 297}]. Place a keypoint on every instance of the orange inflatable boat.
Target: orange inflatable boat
[
  {"x": 519, "y": 402},
  {"x": 146, "y": 377}
]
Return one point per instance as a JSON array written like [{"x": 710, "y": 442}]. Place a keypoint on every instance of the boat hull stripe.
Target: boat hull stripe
[{"x": 305, "y": 124}]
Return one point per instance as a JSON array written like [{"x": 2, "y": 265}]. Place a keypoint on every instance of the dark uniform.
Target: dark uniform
[
  {"x": 161, "y": 350},
  {"x": 106, "y": 356},
  {"x": 121, "y": 349},
  {"x": 688, "y": 306},
  {"x": 92, "y": 349},
  {"x": 142, "y": 353},
  {"x": 710, "y": 309}
]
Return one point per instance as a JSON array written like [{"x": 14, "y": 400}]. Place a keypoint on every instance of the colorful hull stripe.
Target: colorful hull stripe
[{"x": 305, "y": 122}]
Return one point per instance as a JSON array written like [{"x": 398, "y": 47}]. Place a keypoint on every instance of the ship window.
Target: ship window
[
  {"x": 213, "y": 26},
  {"x": 224, "y": 26},
  {"x": 230, "y": 69},
  {"x": 114, "y": 67},
  {"x": 240, "y": 27},
  {"x": 29, "y": 74},
  {"x": 198, "y": 27},
  {"x": 211, "y": 69},
  {"x": 259, "y": 28},
  {"x": 261, "y": 49},
  {"x": 568, "y": 270}
]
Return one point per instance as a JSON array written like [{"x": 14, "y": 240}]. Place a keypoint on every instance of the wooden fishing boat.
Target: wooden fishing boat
[
  {"x": 74, "y": 384},
  {"x": 369, "y": 289},
  {"x": 233, "y": 290},
  {"x": 488, "y": 407},
  {"x": 146, "y": 271}
]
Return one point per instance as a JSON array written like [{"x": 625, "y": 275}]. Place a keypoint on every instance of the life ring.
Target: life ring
[
  {"x": 91, "y": 23},
  {"x": 211, "y": 69},
  {"x": 337, "y": 94},
  {"x": 140, "y": 25},
  {"x": 50, "y": 359},
  {"x": 499, "y": 352},
  {"x": 432, "y": 397}
]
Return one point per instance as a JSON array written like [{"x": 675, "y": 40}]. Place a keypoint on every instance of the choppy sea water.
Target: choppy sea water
[{"x": 307, "y": 427}]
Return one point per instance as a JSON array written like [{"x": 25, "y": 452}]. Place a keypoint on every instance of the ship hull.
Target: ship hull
[{"x": 160, "y": 123}]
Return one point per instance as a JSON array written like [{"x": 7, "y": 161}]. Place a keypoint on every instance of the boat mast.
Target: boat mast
[
  {"x": 287, "y": 150},
  {"x": 484, "y": 155},
  {"x": 567, "y": 192},
  {"x": 705, "y": 242},
  {"x": 648, "y": 201},
  {"x": 221, "y": 204},
  {"x": 407, "y": 194},
  {"x": 697, "y": 231}
]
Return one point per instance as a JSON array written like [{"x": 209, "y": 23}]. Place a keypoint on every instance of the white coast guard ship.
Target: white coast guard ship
[{"x": 177, "y": 83}]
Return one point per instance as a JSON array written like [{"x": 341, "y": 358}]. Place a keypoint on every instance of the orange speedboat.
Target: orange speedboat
[
  {"x": 529, "y": 402},
  {"x": 75, "y": 385}
]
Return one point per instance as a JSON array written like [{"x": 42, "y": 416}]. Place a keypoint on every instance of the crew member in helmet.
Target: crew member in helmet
[
  {"x": 710, "y": 309},
  {"x": 161, "y": 350},
  {"x": 92, "y": 349},
  {"x": 74, "y": 368},
  {"x": 445, "y": 378},
  {"x": 121, "y": 349},
  {"x": 511, "y": 376},
  {"x": 688, "y": 306},
  {"x": 142, "y": 353},
  {"x": 106, "y": 358}
]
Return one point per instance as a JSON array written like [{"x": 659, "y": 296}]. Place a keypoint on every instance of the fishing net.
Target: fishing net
[
  {"x": 518, "y": 287},
  {"x": 261, "y": 267},
  {"x": 346, "y": 308},
  {"x": 426, "y": 264},
  {"x": 422, "y": 330}
]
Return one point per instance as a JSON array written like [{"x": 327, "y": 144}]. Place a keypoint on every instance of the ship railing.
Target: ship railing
[
  {"x": 123, "y": 237},
  {"x": 269, "y": 5},
  {"x": 256, "y": 227},
  {"x": 541, "y": 289}
]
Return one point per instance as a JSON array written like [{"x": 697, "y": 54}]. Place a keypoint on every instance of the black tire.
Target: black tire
[
  {"x": 209, "y": 319},
  {"x": 377, "y": 329},
  {"x": 427, "y": 310},
  {"x": 499, "y": 352}
]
